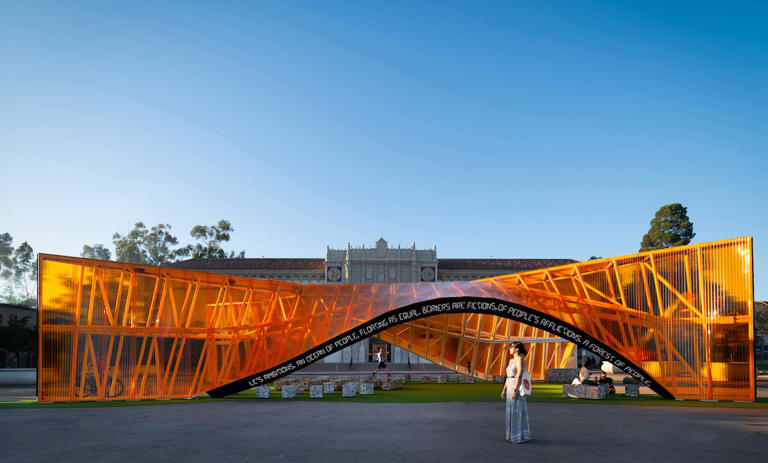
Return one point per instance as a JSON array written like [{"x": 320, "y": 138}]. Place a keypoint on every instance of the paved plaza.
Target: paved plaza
[{"x": 440, "y": 432}]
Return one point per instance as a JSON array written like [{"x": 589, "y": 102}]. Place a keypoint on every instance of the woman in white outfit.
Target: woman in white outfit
[{"x": 517, "y": 428}]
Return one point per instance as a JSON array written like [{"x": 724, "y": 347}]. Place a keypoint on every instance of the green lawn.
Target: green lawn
[{"x": 420, "y": 393}]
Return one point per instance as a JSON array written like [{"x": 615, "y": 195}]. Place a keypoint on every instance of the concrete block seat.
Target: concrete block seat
[
  {"x": 366, "y": 389},
  {"x": 631, "y": 387},
  {"x": 585, "y": 391},
  {"x": 465, "y": 379},
  {"x": 349, "y": 389},
  {"x": 262, "y": 392},
  {"x": 315, "y": 391},
  {"x": 631, "y": 390},
  {"x": 329, "y": 387},
  {"x": 391, "y": 385},
  {"x": 288, "y": 391}
]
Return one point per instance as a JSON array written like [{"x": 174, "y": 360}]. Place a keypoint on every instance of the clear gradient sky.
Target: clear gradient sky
[{"x": 506, "y": 129}]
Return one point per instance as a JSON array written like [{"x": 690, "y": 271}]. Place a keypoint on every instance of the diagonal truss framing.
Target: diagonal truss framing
[{"x": 680, "y": 318}]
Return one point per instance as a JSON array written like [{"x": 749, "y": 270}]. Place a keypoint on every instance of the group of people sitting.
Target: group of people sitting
[{"x": 583, "y": 378}]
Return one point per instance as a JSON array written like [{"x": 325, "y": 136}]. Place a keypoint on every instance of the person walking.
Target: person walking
[
  {"x": 518, "y": 429},
  {"x": 380, "y": 357}
]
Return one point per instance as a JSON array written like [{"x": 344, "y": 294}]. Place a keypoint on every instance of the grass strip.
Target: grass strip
[{"x": 415, "y": 392}]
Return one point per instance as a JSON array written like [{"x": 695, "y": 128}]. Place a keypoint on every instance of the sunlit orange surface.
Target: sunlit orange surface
[{"x": 122, "y": 331}]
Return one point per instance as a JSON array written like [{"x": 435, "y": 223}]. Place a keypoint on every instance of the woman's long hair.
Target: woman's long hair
[{"x": 520, "y": 348}]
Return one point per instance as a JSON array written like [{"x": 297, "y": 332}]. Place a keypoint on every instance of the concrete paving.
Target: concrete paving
[{"x": 316, "y": 431}]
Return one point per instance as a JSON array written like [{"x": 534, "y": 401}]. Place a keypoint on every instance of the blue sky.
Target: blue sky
[{"x": 509, "y": 129}]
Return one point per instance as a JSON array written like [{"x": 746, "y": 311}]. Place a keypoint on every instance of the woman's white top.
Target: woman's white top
[{"x": 511, "y": 372}]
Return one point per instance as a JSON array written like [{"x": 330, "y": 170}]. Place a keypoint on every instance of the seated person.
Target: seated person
[
  {"x": 583, "y": 375},
  {"x": 604, "y": 379}
]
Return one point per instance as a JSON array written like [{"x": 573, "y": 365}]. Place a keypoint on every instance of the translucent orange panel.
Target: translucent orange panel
[{"x": 679, "y": 319}]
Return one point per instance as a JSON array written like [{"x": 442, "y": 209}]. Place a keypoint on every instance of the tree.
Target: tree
[
  {"x": 25, "y": 273},
  {"x": 6, "y": 250},
  {"x": 18, "y": 337},
  {"x": 153, "y": 247},
  {"x": 6, "y": 261},
  {"x": 129, "y": 248},
  {"x": 159, "y": 244},
  {"x": 209, "y": 241},
  {"x": 761, "y": 317},
  {"x": 97, "y": 251},
  {"x": 18, "y": 267},
  {"x": 670, "y": 227}
]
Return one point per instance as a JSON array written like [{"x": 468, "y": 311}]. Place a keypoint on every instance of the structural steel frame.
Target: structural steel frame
[{"x": 678, "y": 319}]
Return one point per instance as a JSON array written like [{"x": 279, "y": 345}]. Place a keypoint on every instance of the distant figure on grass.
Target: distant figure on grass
[
  {"x": 518, "y": 430},
  {"x": 583, "y": 375},
  {"x": 604, "y": 379},
  {"x": 380, "y": 357}
]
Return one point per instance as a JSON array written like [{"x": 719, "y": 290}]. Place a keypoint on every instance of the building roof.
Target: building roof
[
  {"x": 500, "y": 264},
  {"x": 319, "y": 264},
  {"x": 251, "y": 263},
  {"x": 3, "y": 305}
]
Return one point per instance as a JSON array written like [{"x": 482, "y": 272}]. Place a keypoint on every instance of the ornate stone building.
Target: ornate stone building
[{"x": 377, "y": 264}]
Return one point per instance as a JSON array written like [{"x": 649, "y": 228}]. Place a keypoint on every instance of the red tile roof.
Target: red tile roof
[
  {"x": 248, "y": 263},
  {"x": 500, "y": 264},
  {"x": 319, "y": 264}
]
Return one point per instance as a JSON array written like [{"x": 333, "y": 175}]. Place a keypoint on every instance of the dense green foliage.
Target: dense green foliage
[
  {"x": 761, "y": 317},
  {"x": 141, "y": 245},
  {"x": 97, "y": 251},
  {"x": 154, "y": 246},
  {"x": 209, "y": 241},
  {"x": 18, "y": 272},
  {"x": 157, "y": 246},
  {"x": 17, "y": 337},
  {"x": 670, "y": 227}
]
